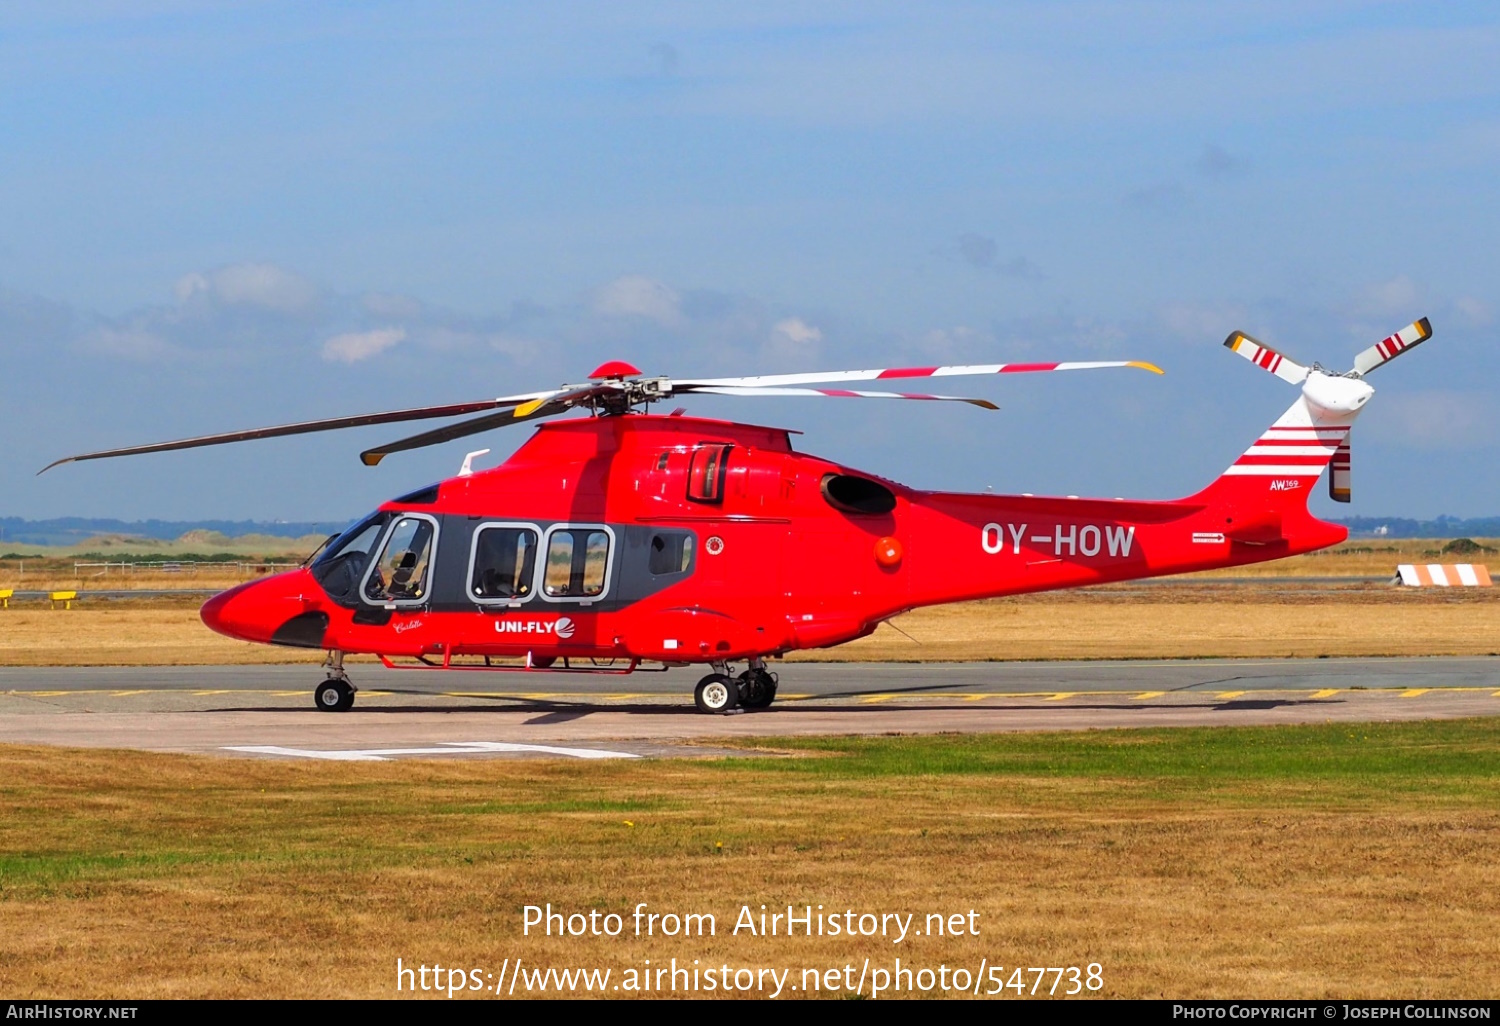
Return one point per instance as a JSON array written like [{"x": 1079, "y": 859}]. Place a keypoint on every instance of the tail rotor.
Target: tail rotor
[{"x": 1332, "y": 399}]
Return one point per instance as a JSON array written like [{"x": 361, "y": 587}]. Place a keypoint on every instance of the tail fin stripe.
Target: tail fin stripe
[
  {"x": 1272, "y": 470},
  {"x": 1279, "y": 444},
  {"x": 1263, "y": 459},
  {"x": 1276, "y": 452}
]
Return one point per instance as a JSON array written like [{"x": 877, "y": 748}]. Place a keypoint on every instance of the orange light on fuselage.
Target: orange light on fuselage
[{"x": 888, "y": 553}]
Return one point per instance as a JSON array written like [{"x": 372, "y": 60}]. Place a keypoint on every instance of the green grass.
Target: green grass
[
  {"x": 1263, "y": 861},
  {"x": 1395, "y": 754}
]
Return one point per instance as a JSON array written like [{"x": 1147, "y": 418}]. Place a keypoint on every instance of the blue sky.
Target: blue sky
[{"x": 222, "y": 215}]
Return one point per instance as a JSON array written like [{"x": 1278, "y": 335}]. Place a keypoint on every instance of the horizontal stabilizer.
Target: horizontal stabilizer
[
  {"x": 1387, "y": 349},
  {"x": 1267, "y": 358}
]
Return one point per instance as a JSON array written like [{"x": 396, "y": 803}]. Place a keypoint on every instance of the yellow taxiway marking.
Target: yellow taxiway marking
[
  {"x": 125, "y": 694},
  {"x": 1414, "y": 692},
  {"x": 1230, "y": 694},
  {"x": 872, "y": 699},
  {"x": 1148, "y": 694},
  {"x": 978, "y": 696},
  {"x": 1062, "y": 695},
  {"x": 1325, "y": 693},
  {"x": 209, "y": 691}
]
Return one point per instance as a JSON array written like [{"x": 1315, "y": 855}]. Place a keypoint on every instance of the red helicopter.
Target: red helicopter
[{"x": 626, "y": 537}]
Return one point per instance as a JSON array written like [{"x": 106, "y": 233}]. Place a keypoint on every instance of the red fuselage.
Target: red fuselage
[{"x": 687, "y": 540}]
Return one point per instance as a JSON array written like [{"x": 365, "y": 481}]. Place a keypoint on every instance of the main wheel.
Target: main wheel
[
  {"x": 757, "y": 689},
  {"x": 334, "y": 696},
  {"x": 716, "y": 693}
]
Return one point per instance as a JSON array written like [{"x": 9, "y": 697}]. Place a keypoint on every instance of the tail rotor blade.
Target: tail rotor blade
[
  {"x": 1392, "y": 346},
  {"x": 1266, "y": 358}
]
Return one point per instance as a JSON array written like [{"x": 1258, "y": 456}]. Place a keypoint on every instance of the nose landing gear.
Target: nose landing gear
[{"x": 335, "y": 694}]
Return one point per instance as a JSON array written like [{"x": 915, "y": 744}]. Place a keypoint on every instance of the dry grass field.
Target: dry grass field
[
  {"x": 1273, "y": 862},
  {"x": 1148, "y": 622}
]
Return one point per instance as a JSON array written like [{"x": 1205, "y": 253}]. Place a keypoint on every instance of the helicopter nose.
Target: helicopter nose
[{"x": 255, "y": 610}]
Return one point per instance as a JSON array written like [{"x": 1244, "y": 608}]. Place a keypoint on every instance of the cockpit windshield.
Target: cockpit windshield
[{"x": 342, "y": 565}]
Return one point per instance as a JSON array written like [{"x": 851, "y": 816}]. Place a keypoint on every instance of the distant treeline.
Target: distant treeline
[
  {"x": 1442, "y": 527},
  {"x": 77, "y": 530}
]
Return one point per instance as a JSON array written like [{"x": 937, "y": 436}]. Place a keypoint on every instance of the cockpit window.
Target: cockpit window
[
  {"x": 504, "y": 564},
  {"x": 400, "y": 575},
  {"x": 341, "y": 566}
]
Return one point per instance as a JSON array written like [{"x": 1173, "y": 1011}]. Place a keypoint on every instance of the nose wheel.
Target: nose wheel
[{"x": 334, "y": 695}]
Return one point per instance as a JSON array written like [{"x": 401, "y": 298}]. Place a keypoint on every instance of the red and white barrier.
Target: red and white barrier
[{"x": 1444, "y": 575}]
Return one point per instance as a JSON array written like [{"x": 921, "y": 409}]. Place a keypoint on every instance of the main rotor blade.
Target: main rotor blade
[
  {"x": 841, "y": 393},
  {"x": 547, "y": 404},
  {"x": 1387, "y": 349},
  {"x": 827, "y": 377},
  {"x": 307, "y": 426}
]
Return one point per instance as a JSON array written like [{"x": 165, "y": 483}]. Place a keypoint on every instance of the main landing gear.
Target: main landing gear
[
  {"x": 335, "y": 694},
  {"x": 721, "y": 693}
]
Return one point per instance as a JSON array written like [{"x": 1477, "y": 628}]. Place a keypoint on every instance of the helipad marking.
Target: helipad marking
[
  {"x": 449, "y": 748},
  {"x": 1325, "y": 693},
  {"x": 1414, "y": 692}
]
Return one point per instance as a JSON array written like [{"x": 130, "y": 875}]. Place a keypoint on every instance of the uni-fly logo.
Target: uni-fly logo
[{"x": 563, "y": 627}]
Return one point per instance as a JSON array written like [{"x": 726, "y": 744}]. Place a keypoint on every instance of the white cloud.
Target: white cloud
[
  {"x": 130, "y": 343},
  {"x": 1434, "y": 419},
  {"x": 1475, "y": 311},
  {"x": 635, "y": 295},
  {"x": 361, "y": 345},
  {"x": 793, "y": 342},
  {"x": 387, "y": 304},
  {"x": 797, "y": 331},
  {"x": 1197, "y": 324},
  {"x": 1396, "y": 296},
  {"x": 263, "y": 285}
]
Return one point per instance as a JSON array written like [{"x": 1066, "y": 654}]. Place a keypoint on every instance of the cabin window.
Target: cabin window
[
  {"x": 671, "y": 552},
  {"x": 400, "y": 574},
  {"x": 706, "y": 473},
  {"x": 577, "y": 562},
  {"x": 503, "y": 566}
]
